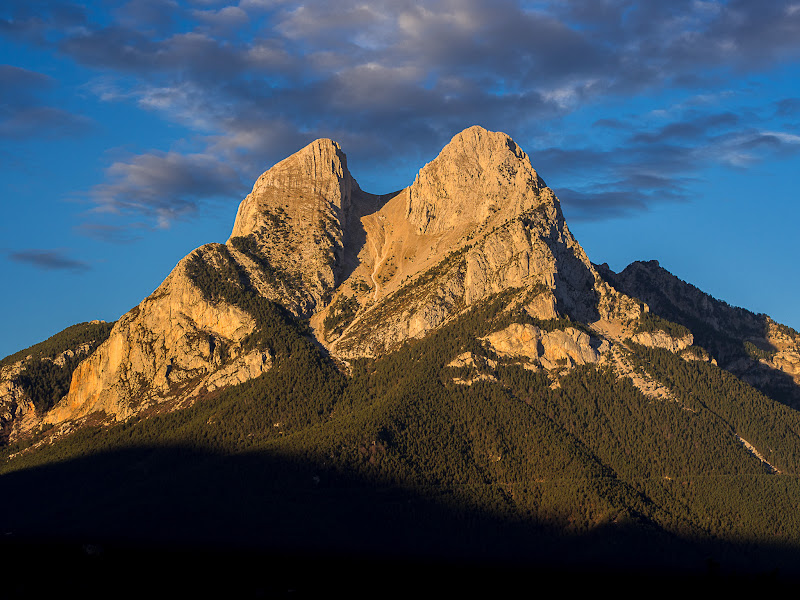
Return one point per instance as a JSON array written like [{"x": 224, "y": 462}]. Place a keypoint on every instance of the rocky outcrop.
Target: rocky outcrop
[
  {"x": 550, "y": 350},
  {"x": 185, "y": 339},
  {"x": 675, "y": 300},
  {"x": 17, "y": 411},
  {"x": 468, "y": 359},
  {"x": 290, "y": 231},
  {"x": 31, "y": 381},
  {"x": 751, "y": 346},
  {"x": 661, "y": 339},
  {"x": 639, "y": 377},
  {"x": 469, "y": 183},
  {"x": 167, "y": 346},
  {"x": 245, "y": 367},
  {"x": 784, "y": 344}
]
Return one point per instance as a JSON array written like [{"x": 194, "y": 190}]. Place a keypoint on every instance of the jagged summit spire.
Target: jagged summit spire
[
  {"x": 479, "y": 140},
  {"x": 316, "y": 173},
  {"x": 298, "y": 208},
  {"x": 473, "y": 178}
]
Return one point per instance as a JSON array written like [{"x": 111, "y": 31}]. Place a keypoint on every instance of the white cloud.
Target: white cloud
[
  {"x": 787, "y": 138},
  {"x": 228, "y": 16},
  {"x": 164, "y": 185}
]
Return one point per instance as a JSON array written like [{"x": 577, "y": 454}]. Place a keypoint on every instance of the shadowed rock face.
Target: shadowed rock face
[
  {"x": 17, "y": 411},
  {"x": 295, "y": 220},
  {"x": 33, "y": 379},
  {"x": 752, "y": 346}
]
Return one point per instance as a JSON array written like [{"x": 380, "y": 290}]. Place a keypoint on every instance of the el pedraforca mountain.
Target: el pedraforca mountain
[
  {"x": 436, "y": 374},
  {"x": 366, "y": 273}
]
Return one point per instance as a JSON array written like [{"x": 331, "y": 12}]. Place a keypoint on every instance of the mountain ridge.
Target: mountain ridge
[
  {"x": 438, "y": 372},
  {"x": 375, "y": 271}
]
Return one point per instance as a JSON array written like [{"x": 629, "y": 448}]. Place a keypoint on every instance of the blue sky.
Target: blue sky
[{"x": 130, "y": 131}]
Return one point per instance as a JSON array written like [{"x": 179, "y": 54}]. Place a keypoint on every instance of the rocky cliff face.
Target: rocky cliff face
[
  {"x": 186, "y": 338},
  {"x": 549, "y": 350},
  {"x": 163, "y": 349},
  {"x": 479, "y": 175},
  {"x": 298, "y": 208},
  {"x": 17, "y": 411},
  {"x": 371, "y": 272},
  {"x": 477, "y": 221},
  {"x": 31, "y": 381},
  {"x": 752, "y": 346}
]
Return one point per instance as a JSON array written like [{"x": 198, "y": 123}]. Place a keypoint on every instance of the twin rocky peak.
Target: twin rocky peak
[{"x": 367, "y": 271}]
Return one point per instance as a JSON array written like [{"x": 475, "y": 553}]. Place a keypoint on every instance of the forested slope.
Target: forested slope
[{"x": 397, "y": 459}]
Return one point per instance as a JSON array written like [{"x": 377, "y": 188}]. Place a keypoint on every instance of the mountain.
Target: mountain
[
  {"x": 753, "y": 347},
  {"x": 376, "y": 271},
  {"x": 438, "y": 373}
]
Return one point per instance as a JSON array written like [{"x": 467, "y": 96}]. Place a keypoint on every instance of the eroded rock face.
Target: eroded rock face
[
  {"x": 165, "y": 347},
  {"x": 491, "y": 225},
  {"x": 287, "y": 244},
  {"x": 292, "y": 226},
  {"x": 786, "y": 344},
  {"x": 469, "y": 182},
  {"x": 550, "y": 349},
  {"x": 661, "y": 339},
  {"x": 751, "y": 346},
  {"x": 17, "y": 411},
  {"x": 245, "y": 367},
  {"x": 25, "y": 382}
]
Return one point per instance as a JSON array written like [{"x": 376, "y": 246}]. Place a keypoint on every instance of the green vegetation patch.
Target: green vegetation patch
[
  {"x": 43, "y": 380},
  {"x": 247, "y": 245},
  {"x": 650, "y": 323},
  {"x": 68, "y": 339},
  {"x": 275, "y": 330},
  {"x": 756, "y": 352},
  {"x": 340, "y": 315}
]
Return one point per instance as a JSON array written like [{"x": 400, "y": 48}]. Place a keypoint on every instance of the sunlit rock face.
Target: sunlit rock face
[{"x": 478, "y": 220}]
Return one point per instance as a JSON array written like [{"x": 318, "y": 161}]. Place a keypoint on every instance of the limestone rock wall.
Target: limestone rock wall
[
  {"x": 548, "y": 349},
  {"x": 295, "y": 221},
  {"x": 495, "y": 226},
  {"x": 751, "y": 346},
  {"x": 661, "y": 339},
  {"x": 161, "y": 349},
  {"x": 470, "y": 181},
  {"x": 17, "y": 412}
]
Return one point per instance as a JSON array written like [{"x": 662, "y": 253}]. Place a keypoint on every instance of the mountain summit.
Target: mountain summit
[{"x": 479, "y": 175}]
